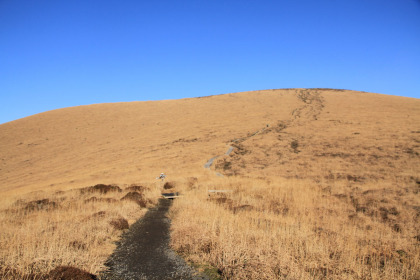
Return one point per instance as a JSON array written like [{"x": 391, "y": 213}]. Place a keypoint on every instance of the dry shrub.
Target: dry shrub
[
  {"x": 192, "y": 182},
  {"x": 132, "y": 196},
  {"x": 78, "y": 245},
  {"x": 136, "y": 188},
  {"x": 169, "y": 185},
  {"x": 99, "y": 214},
  {"x": 230, "y": 204},
  {"x": 136, "y": 197},
  {"x": 100, "y": 199},
  {"x": 221, "y": 199},
  {"x": 41, "y": 204},
  {"x": 277, "y": 207},
  {"x": 101, "y": 188},
  {"x": 119, "y": 224},
  {"x": 70, "y": 273},
  {"x": 241, "y": 208}
]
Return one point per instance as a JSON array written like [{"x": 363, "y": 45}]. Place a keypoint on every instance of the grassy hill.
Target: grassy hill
[
  {"x": 130, "y": 141},
  {"x": 325, "y": 183}
]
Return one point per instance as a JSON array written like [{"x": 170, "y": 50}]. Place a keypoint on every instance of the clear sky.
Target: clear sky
[{"x": 56, "y": 54}]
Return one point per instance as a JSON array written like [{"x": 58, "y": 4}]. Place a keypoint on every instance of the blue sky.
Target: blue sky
[{"x": 56, "y": 54}]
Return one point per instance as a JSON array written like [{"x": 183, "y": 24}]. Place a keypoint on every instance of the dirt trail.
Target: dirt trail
[
  {"x": 210, "y": 161},
  {"x": 312, "y": 104},
  {"x": 144, "y": 252},
  {"x": 312, "y": 107}
]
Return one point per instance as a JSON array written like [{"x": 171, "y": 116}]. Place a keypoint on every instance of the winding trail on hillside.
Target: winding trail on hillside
[
  {"x": 313, "y": 104},
  {"x": 144, "y": 253},
  {"x": 210, "y": 161}
]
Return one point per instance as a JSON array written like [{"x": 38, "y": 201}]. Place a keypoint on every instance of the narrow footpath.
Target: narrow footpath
[
  {"x": 144, "y": 252},
  {"x": 210, "y": 161}
]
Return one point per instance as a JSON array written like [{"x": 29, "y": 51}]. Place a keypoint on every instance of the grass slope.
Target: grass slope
[{"x": 325, "y": 183}]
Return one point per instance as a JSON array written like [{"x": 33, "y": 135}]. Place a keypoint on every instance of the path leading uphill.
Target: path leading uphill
[
  {"x": 210, "y": 161},
  {"x": 144, "y": 252},
  {"x": 312, "y": 104}
]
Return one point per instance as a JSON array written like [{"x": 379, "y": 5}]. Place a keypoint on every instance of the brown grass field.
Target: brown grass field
[{"x": 323, "y": 184}]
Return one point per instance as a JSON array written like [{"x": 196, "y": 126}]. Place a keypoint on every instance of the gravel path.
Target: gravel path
[
  {"x": 144, "y": 252},
  {"x": 229, "y": 150},
  {"x": 210, "y": 161}
]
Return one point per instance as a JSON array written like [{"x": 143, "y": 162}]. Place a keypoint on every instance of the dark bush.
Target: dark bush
[
  {"x": 169, "y": 185},
  {"x": 245, "y": 207},
  {"x": 294, "y": 145},
  {"x": 119, "y": 224},
  {"x": 78, "y": 245},
  {"x": 92, "y": 199},
  {"x": 280, "y": 126},
  {"x": 192, "y": 181},
  {"x": 132, "y": 196},
  {"x": 135, "y": 188},
  {"x": 396, "y": 228},
  {"x": 222, "y": 200},
  {"x": 136, "y": 197},
  {"x": 70, "y": 273},
  {"x": 101, "y": 188},
  {"x": 100, "y": 199},
  {"x": 224, "y": 164},
  {"x": 240, "y": 149},
  {"x": 227, "y": 165},
  {"x": 99, "y": 214},
  {"x": 42, "y": 204}
]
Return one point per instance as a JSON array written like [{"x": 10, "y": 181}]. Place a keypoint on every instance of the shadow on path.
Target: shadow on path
[{"x": 144, "y": 252}]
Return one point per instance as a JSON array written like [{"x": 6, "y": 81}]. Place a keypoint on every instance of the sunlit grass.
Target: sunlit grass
[{"x": 44, "y": 230}]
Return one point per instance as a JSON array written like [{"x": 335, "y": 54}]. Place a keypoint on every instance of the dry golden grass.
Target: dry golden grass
[
  {"x": 44, "y": 230},
  {"x": 128, "y": 142},
  {"x": 293, "y": 229},
  {"x": 332, "y": 192},
  {"x": 325, "y": 182}
]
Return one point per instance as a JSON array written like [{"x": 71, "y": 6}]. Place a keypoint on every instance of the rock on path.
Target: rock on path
[{"x": 144, "y": 252}]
